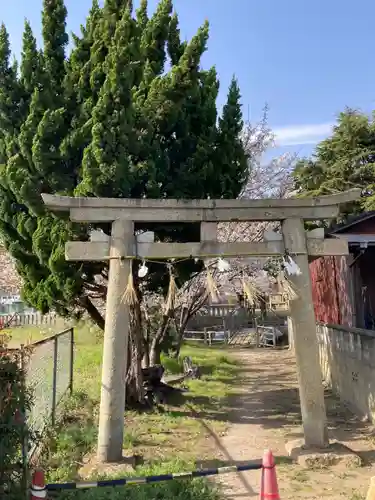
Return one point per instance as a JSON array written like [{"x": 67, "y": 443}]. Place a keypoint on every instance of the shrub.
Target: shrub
[{"x": 15, "y": 400}]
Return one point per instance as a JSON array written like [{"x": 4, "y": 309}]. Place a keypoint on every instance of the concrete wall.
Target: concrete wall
[{"x": 347, "y": 358}]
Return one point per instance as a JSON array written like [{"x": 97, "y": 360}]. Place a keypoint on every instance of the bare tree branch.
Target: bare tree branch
[{"x": 265, "y": 180}]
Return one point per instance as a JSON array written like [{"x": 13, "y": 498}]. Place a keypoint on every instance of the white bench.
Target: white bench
[{"x": 268, "y": 335}]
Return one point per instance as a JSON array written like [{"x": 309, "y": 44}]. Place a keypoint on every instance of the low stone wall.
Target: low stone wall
[{"x": 347, "y": 358}]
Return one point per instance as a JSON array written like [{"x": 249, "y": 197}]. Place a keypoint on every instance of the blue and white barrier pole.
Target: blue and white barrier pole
[{"x": 257, "y": 465}]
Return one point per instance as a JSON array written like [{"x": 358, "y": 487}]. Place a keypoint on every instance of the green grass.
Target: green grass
[
  {"x": 171, "y": 439},
  {"x": 357, "y": 496},
  {"x": 174, "y": 490},
  {"x": 28, "y": 334}
]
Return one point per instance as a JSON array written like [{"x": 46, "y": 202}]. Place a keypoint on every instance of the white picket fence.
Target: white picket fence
[
  {"x": 217, "y": 310},
  {"x": 30, "y": 318},
  {"x": 276, "y": 302}
]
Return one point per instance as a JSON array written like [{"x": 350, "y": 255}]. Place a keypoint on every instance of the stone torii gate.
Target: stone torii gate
[{"x": 122, "y": 246}]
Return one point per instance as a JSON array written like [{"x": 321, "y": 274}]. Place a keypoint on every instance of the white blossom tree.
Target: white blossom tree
[{"x": 265, "y": 180}]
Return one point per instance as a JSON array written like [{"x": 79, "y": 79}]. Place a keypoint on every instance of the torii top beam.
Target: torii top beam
[{"x": 170, "y": 210}]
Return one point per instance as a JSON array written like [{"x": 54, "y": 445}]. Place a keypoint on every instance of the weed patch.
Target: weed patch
[
  {"x": 176, "y": 490},
  {"x": 172, "y": 438},
  {"x": 74, "y": 435}
]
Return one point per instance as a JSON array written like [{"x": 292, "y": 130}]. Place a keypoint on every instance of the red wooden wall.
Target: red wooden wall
[
  {"x": 331, "y": 292},
  {"x": 333, "y": 281}
]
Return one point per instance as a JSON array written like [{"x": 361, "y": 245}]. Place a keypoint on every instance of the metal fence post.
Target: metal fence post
[
  {"x": 54, "y": 380},
  {"x": 71, "y": 360}
]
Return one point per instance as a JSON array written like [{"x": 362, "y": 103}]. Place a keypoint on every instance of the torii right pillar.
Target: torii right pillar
[{"x": 306, "y": 348}]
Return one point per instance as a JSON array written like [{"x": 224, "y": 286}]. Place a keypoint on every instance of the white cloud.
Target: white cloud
[{"x": 295, "y": 135}]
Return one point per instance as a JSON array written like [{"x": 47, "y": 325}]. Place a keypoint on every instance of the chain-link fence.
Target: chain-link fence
[
  {"x": 33, "y": 380},
  {"x": 49, "y": 375}
]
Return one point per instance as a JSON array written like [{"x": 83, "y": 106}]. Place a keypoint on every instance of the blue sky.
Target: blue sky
[{"x": 307, "y": 60}]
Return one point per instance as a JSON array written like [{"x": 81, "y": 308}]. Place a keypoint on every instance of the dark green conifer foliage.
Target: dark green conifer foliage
[
  {"x": 128, "y": 113},
  {"x": 55, "y": 40},
  {"x": 345, "y": 160},
  {"x": 31, "y": 76}
]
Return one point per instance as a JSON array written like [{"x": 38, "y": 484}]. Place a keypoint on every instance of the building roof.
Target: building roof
[
  {"x": 352, "y": 220},
  {"x": 363, "y": 240},
  {"x": 345, "y": 231}
]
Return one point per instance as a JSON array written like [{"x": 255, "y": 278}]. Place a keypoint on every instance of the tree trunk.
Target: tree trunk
[
  {"x": 134, "y": 379},
  {"x": 146, "y": 343},
  {"x": 93, "y": 312},
  {"x": 154, "y": 353},
  {"x": 155, "y": 346},
  {"x": 146, "y": 357},
  {"x": 186, "y": 314},
  {"x": 180, "y": 337}
]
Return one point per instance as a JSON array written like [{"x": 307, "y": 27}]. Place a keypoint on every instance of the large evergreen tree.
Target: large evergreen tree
[
  {"x": 343, "y": 161},
  {"x": 107, "y": 120}
]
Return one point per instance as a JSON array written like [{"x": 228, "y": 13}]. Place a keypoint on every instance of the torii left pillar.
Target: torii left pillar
[{"x": 116, "y": 337}]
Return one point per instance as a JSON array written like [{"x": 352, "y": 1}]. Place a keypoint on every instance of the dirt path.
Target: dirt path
[{"x": 265, "y": 414}]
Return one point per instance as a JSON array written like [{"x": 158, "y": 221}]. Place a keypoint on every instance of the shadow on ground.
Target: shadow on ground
[{"x": 273, "y": 403}]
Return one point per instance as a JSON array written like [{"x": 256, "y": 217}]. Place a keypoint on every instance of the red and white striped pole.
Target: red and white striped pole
[{"x": 38, "y": 485}]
